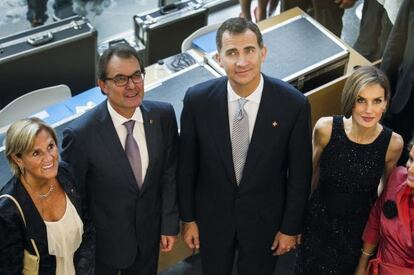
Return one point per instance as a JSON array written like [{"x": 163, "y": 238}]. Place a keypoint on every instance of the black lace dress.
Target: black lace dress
[{"x": 339, "y": 208}]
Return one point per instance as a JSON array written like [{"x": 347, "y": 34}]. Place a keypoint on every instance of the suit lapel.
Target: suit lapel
[
  {"x": 219, "y": 127},
  {"x": 110, "y": 138},
  {"x": 263, "y": 123}
]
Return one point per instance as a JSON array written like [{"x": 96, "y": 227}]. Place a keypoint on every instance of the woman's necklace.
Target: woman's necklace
[
  {"x": 40, "y": 195},
  {"x": 47, "y": 194}
]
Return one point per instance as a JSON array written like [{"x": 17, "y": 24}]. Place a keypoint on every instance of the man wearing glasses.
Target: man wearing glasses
[{"x": 124, "y": 158}]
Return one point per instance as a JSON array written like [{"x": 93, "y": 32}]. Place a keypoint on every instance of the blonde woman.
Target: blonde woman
[{"x": 45, "y": 191}]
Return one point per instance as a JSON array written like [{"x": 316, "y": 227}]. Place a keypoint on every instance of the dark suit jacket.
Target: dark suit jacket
[
  {"x": 126, "y": 218},
  {"x": 15, "y": 237},
  {"x": 274, "y": 188},
  {"x": 398, "y": 60}
]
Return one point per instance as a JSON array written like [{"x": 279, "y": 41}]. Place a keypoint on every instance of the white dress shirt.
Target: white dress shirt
[
  {"x": 251, "y": 106},
  {"x": 139, "y": 133}
]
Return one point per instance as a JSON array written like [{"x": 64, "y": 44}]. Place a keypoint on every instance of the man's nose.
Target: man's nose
[
  {"x": 130, "y": 83},
  {"x": 242, "y": 60}
]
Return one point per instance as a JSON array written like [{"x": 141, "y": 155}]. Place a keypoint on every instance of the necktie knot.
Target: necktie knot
[
  {"x": 240, "y": 111},
  {"x": 129, "y": 125}
]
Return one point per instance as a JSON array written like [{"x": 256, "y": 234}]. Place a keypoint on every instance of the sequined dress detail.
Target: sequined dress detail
[{"x": 338, "y": 209}]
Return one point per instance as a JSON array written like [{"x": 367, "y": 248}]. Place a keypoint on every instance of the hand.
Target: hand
[
  {"x": 167, "y": 243},
  {"x": 190, "y": 235},
  {"x": 362, "y": 266},
  {"x": 284, "y": 243},
  {"x": 360, "y": 271}
]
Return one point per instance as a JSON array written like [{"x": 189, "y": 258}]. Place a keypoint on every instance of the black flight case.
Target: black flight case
[
  {"x": 163, "y": 30},
  {"x": 63, "y": 52}
]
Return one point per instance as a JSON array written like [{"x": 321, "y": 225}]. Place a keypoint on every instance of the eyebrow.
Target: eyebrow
[
  {"x": 137, "y": 71},
  {"x": 250, "y": 47},
  {"x": 231, "y": 50},
  {"x": 374, "y": 97}
]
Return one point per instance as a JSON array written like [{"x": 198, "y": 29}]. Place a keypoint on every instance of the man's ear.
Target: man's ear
[
  {"x": 218, "y": 58},
  {"x": 263, "y": 52},
  {"x": 103, "y": 86}
]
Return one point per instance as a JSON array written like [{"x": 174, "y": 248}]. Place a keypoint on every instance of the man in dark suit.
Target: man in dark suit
[
  {"x": 398, "y": 65},
  {"x": 245, "y": 160},
  {"x": 127, "y": 174},
  {"x": 330, "y": 12}
]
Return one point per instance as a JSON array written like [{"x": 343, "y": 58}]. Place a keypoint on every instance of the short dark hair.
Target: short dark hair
[
  {"x": 121, "y": 50},
  {"x": 238, "y": 25}
]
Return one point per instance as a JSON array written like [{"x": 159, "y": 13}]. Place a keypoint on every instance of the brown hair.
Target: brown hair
[
  {"x": 238, "y": 25},
  {"x": 361, "y": 78}
]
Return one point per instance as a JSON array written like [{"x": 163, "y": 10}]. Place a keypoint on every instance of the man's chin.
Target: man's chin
[{"x": 134, "y": 101}]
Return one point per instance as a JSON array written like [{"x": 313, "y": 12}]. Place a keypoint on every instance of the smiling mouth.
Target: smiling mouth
[
  {"x": 131, "y": 95},
  {"x": 47, "y": 166},
  {"x": 242, "y": 70}
]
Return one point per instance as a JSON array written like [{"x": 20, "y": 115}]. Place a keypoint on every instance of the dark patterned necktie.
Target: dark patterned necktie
[{"x": 132, "y": 152}]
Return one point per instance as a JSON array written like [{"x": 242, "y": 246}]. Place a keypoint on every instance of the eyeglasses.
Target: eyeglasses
[{"x": 122, "y": 80}]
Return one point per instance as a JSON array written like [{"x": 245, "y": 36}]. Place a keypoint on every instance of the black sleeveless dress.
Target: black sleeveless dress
[{"x": 339, "y": 207}]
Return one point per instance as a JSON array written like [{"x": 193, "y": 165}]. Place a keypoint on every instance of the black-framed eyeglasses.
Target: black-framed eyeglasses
[{"x": 122, "y": 80}]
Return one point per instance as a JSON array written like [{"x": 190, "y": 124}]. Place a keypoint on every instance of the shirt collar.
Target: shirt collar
[
  {"x": 118, "y": 120},
  {"x": 253, "y": 97}
]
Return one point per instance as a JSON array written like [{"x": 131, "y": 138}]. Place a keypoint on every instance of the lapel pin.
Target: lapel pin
[
  {"x": 151, "y": 121},
  {"x": 274, "y": 124}
]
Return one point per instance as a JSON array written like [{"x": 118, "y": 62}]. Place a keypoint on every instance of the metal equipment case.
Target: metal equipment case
[
  {"x": 63, "y": 52},
  {"x": 162, "y": 31},
  {"x": 173, "y": 88}
]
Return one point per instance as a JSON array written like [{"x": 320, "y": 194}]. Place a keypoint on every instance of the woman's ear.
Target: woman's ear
[{"x": 17, "y": 159}]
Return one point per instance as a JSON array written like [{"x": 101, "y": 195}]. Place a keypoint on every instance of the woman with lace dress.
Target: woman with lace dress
[{"x": 350, "y": 155}]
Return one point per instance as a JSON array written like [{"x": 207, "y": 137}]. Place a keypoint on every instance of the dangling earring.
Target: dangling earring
[{"x": 21, "y": 170}]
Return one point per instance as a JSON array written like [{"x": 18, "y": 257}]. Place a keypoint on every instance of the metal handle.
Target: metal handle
[{"x": 40, "y": 39}]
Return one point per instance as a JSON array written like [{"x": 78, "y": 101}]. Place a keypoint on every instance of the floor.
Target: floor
[{"x": 112, "y": 17}]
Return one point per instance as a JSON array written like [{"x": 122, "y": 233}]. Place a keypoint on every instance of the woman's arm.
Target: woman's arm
[
  {"x": 391, "y": 158},
  {"x": 371, "y": 235},
  {"x": 320, "y": 138},
  {"x": 367, "y": 251}
]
